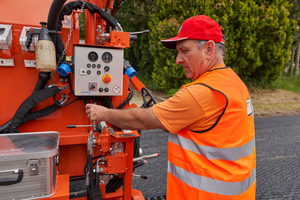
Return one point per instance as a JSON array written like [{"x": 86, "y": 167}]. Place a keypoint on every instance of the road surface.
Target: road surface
[{"x": 278, "y": 160}]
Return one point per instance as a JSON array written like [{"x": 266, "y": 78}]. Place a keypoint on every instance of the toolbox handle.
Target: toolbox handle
[{"x": 10, "y": 181}]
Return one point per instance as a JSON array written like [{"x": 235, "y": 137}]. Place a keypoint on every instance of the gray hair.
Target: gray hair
[{"x": 219, "y": 46}]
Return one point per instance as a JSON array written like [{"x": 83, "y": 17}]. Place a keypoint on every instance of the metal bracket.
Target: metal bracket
[{"x": 33, "y": 166}]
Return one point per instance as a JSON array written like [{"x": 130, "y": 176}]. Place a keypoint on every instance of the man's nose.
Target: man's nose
[{"x": 179, "y": 59}]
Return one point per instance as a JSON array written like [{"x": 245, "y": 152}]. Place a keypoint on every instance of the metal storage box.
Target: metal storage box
[{"x": 28, "y": 165}]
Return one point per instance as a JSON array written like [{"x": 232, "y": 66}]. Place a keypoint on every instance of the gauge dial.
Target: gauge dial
[
  {"x": 93, "y": 56},
  {"x": 107, "y": 57}
]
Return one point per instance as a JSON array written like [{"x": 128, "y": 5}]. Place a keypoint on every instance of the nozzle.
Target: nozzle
[{"x": 44, "y": 34}]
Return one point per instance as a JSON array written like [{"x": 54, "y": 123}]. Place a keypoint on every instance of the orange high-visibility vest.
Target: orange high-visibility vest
[{"x": 218, "y": 163}]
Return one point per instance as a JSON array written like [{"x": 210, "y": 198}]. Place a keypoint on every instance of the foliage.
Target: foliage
[
  {"x": 258, "y": 37},
  {"x": 166, "y": 73},
  {"x": 82, "y": 25},
  {"x": 258, "y": 34},
  {"x": 295, "y": 15},
  {"x": 134, "y": 16}
]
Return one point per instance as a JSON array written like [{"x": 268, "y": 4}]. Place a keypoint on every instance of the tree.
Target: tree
[
  {"x": 258, "y": 35},
  {"x": 134, "y": 16},
  {"x": 295, "y": 15}
]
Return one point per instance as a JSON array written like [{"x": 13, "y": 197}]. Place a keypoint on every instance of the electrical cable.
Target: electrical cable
[
  {"x": 70, "y": 84},
  {"x": 107, "y": 3},
  {"x": 127, "y": 100},
  {"x": 57, "y": 103}
]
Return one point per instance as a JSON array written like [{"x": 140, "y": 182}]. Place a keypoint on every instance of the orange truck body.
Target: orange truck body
[{"x": 17, "y": 83}]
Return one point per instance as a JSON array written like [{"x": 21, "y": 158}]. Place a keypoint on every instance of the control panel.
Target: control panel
[{"x": 98, "y": 71}]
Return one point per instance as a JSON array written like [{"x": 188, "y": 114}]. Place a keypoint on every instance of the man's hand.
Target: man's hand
[
  {"x": 131, "y": 119},
  {"x": 95, "y": 113}
]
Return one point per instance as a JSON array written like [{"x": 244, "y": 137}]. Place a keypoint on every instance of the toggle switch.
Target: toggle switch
[{"x": 92, "y": 86}]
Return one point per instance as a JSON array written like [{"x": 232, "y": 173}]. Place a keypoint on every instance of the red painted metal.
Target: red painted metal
[{"x": 18, "y": 82}]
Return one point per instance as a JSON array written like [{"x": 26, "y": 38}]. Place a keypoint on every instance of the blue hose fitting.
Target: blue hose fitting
[
  {"x": 130, "y": 71},
  {"x": 64, "y": 69}
]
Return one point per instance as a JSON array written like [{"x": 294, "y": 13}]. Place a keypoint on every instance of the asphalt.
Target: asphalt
[{"x": 278, "y": 163}]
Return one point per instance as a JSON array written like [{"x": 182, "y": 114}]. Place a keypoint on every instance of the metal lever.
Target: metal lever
[
  {"x": 140, "y": 176},
  {"x": 96, "y": 127},
  {"x": 139, "y": 32},
  {"x": 145, "y": 158},
  {"x": 78, "y": 126}
]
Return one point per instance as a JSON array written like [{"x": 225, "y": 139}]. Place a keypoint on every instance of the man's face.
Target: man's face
[{"x": 191, "y": 58}]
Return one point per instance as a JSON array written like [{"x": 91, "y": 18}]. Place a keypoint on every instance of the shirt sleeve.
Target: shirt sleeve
[{"x": 195, "y": 107}]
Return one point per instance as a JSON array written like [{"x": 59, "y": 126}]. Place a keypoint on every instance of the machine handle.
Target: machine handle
[{"x": 10, "y": 181}]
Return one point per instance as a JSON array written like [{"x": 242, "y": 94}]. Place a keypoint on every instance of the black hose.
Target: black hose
[
  {"x": 44, "y": 77},
  {"x": 4, "y": 127},
  {"x": 127, "y": 100},
  {"x": 53, "y": 16}
]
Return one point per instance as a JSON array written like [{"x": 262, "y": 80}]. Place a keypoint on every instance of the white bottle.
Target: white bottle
[{"x": 45, "y": 55}]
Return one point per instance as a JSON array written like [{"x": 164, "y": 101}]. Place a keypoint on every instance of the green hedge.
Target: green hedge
[{"x": 258, "y": 37}]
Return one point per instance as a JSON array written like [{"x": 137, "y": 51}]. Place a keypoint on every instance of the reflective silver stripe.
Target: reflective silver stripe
[
  {"x": 229, "y": 154},
  {"x": 212, "y": 185}
]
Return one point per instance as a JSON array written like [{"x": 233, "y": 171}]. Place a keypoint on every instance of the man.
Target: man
[{"x": 211, "y": 147}]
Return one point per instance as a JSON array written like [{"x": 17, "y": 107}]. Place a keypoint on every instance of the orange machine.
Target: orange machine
[{"x": 37, "y": 95}]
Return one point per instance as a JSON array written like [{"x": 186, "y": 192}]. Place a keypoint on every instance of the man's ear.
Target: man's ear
[{"x": 210, "y": 47}]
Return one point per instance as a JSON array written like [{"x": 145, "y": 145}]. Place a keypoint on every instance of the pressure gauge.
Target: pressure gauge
[
  {"x": 107, "y": 57},
  {"x": 93, "y": 56}
]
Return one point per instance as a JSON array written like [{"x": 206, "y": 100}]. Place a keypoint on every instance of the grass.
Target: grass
[
  {"x": 289, "y": 83},
  {"x": 282, "y": 99}
]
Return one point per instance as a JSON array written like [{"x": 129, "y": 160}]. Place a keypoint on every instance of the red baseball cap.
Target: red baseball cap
[{"x": 198, "y": 27}]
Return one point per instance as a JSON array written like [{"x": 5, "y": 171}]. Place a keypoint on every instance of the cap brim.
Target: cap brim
[{"x": 171, "y": 43}]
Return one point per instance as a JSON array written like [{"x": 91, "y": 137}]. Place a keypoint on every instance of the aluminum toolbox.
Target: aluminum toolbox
[{"x": 28, "y": 165}]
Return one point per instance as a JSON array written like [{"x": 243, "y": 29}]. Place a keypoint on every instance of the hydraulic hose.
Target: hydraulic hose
[
  {"x": 53, "y": 16},
  {"x": 44, "y": 77},
  {"x": 56, "y": 15}
]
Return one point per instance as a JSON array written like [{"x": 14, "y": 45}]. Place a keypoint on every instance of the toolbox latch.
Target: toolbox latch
[{"x": 33, "y": 166}]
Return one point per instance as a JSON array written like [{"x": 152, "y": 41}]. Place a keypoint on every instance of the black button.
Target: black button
[
  {"x": 101, "y": 89},
  {"x": 88, "y": 71},
  {"x": 93, "y": 65},
  {"x": 106, "y": 68},
  {"x": 98, "y": 72},
  {"x": 88, "y": 65},
  {"x": 98, "y": 66},
  {"x": 106, "y": 89}
]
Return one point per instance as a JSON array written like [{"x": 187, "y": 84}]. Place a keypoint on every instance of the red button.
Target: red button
[{"x": 107, "y": 79}]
